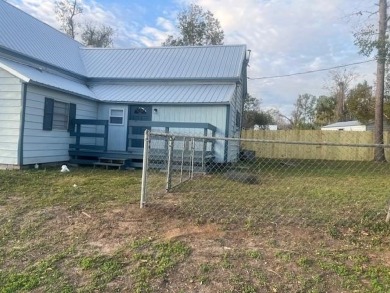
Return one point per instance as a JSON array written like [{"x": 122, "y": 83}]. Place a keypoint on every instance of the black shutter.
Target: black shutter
[
  {"x": 48, "y": 114},
  {"x": 72, "y": 117}
]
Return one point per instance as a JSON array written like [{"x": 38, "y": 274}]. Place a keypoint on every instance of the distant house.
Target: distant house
[
  {"x": 346, "y": 126},
  {"x": 59, "y": 98},
  {"x": 354, "y": 126},
  {"x": 266, "y": 127}
]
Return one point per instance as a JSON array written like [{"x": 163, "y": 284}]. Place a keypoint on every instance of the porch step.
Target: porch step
[{"x": 120, "y": 163}]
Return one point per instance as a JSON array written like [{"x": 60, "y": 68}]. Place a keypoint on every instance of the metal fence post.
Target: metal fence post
[
  {"x": 145, "y": 165},
  {"x": 169, "y": 165},
  {"x": 182, "y": 159},
  {"x": 192, "y": 157}
]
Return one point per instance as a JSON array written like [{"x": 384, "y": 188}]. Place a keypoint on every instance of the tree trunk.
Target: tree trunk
[{"x": 379, "y": 155}]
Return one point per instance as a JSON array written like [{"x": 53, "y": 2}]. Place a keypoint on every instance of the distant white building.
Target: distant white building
[
  {"x": 355, "y": 126},
  {"x": 346, "y": 126},
  {"x": 265, "y": 127}
]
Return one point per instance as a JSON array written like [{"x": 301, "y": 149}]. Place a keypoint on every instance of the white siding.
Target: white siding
[
  {"x": 215, "y": 115},
  {"x": 50, "y": 146},
  {"x": 10, "y": 110}
]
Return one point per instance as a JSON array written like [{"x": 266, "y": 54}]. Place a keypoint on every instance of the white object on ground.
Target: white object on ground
[{"x": 64, "y": 169}]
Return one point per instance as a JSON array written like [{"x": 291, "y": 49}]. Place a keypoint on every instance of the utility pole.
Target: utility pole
[{"x": 379, "y": 154}]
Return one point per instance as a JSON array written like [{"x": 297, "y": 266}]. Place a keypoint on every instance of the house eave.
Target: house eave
[
  {"x": 165, "y": 80},
  {"x": 36, "y": 63},
  {"x": 32, "y": 82}
]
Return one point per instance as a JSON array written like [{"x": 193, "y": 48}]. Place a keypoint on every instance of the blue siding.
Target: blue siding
[
  {"x": 50, "y": 146},
  {"x": 215, "y": 115}
]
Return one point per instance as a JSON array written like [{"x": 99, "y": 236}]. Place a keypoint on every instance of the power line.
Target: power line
[{"x": 310, "y": 71}]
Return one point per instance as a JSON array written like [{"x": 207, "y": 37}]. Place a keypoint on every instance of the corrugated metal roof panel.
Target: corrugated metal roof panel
[
  {"x": 165, "y": 62},
  {"x": 165, "y": 93},
  {"x": 26, "y": 35},
  {"x": 31, "y": 74}
]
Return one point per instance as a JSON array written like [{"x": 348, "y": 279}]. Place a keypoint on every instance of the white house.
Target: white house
[
  {"x": 58, "y": 96},
  {"x": 346, "y": 126},
  {"x": 354, "y": 126}
]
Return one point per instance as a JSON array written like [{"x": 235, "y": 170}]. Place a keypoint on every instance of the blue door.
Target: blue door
[{"x": 138, "y": 113}]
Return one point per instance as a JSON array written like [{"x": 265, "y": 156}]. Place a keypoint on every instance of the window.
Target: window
[
  {"x": 116, "y": 116},
  {"x": 58, "y": 115}
]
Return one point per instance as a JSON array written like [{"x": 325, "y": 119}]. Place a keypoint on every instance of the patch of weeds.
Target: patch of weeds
[
  {"x": 379, "y": 278},
  {"x": 249, "y": 223},
  {"x": 226, "y": 262},
  {"x": 284, "y": 255},
  {"x": 104, "y": 269},
  {"x": 204, "y": 269},
  {"x": 254, "y": 254},
  {"x": 139, "y": 243},
  {"x": 313, "y": 284},
  {"x": 154, "y": 260},
  {"x": 242, "y": 285},
  {"x": 261, "y": 277},
  {"x": 335, "y": 232},
  {"x": 305, "y": 262},
  {"x": 45, "y": 274}
]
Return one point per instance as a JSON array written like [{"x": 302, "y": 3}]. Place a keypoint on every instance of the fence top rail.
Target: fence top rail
[
  {"x": 180, "y": 136},
  {"x": 173, "y": 124},
  {"x": 91, "y": 121}
]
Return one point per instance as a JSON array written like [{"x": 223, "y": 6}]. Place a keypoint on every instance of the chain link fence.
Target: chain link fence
[{"x": 236, "y": 181}]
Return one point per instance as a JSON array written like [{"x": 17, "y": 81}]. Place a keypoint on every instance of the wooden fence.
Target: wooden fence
[{"x": 317, "y": 152}]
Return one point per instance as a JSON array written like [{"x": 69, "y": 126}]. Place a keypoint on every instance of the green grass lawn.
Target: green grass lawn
[{"x": 304, "y": 226}]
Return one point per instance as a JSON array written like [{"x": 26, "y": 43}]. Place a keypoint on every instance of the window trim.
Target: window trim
[
  {"x": 48, "y": 115},
  {"x": 116, "y": 116}
]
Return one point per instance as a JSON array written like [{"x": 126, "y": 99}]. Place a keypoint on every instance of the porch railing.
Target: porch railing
[
  {"x": 78, "y": 145},
  {"x": 168, "y": 125}
]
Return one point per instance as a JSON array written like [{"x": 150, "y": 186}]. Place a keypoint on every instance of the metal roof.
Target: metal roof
[
  {"x": 34, "y": 75},
  {"x": 343, "y": 124},
  {"x": 153, "y": 75},
  {"x": 202, "y": 62},
  {"x": 165, "y": 93},
  {"x": 21, "y": 33}
]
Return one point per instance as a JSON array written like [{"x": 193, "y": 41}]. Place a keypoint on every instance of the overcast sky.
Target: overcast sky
[{"x": 284, "y": 36}]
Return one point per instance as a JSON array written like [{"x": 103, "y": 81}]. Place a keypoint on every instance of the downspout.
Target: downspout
[
  {"x": 22, "y": 122},
  {"x": 227, "y": 125},
  {"x": 244, "y": 85}
]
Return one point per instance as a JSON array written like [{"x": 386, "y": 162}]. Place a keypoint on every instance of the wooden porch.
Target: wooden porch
[{"x": 90, "y": 147}]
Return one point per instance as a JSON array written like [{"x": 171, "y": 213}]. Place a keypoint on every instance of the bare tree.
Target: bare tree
[
  {"x": 283, "y": 121},
  {"x": 91, "y": 34},
  {"x": 97, "y": 36},
  {"x": 66, "y": 11},
  {"x": 338, "y": 86}
]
